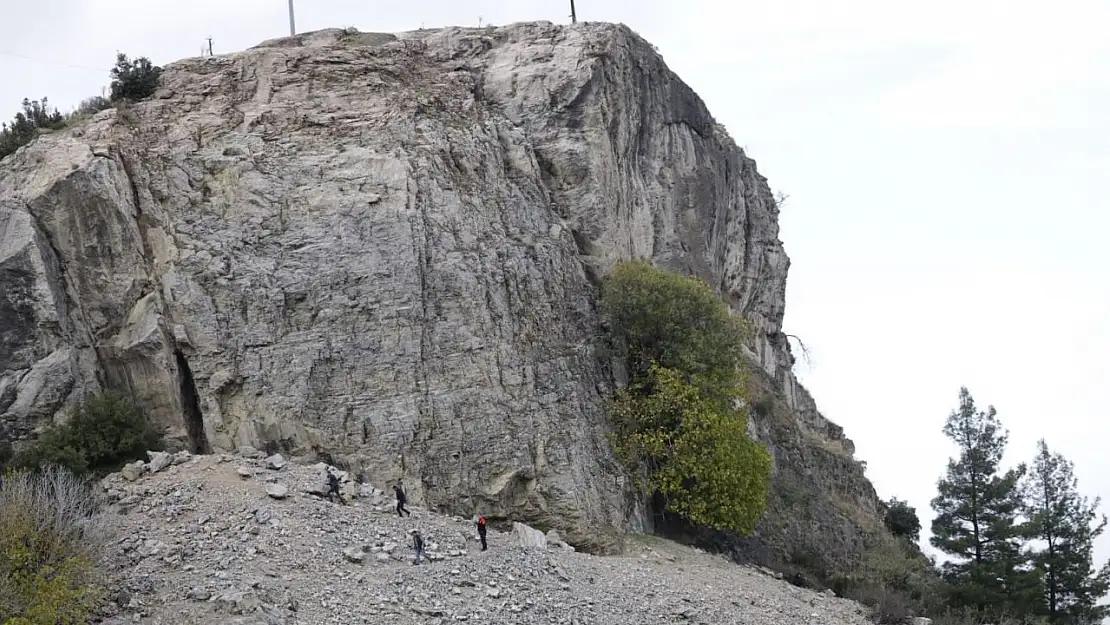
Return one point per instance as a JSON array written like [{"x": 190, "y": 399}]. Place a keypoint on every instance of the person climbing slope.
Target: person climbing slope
[
  {"x": 482, "y": 531},
  {"x": 333, "y": 486},
  {"x": 417, "y": 546},
  {"x": 400, "y": 500}
]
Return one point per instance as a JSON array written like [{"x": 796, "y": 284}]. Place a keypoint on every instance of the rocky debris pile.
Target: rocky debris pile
[{"x": 212, "y": 539}]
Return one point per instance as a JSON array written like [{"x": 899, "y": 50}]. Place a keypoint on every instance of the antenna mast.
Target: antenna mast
[
  {"x": 573, "y": 15},
  {"x": 292, "y": 25}
]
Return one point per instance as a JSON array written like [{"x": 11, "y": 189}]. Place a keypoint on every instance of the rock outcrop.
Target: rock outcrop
[{"x": 384, "y": 249}]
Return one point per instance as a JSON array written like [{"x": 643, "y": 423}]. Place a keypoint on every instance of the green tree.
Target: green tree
[
  {"x": 977, "y": 520},
  {"x": 697, "y": 457},
  {"x": 134, "y": 80},
  {"x": 677, "y": 423},
  {"x": 107, "y": 431},
  {"x": 34, "y": 116},
  {"x": 901, "y": 519},
  {"x": 1067, "y": 524},
  {"x": 656, "y": 316}
]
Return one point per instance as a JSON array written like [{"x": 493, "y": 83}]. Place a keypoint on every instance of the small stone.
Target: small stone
[
  {"x": 244, "y": 472},
  {"x": 277, "y": 491},
  {"x": 275, "y": 462},
  {"x": 247, "y": 451},
  {"x": 493, "y": 592},
  {"x": 159, "y": 460},
  {"x": 132, "y": 471},
  {"x": 263, "y": 515},
  {"x": 354, "y": 554}
]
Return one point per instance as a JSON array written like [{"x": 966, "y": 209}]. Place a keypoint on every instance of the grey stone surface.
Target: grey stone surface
[
  {"x": 316, "y": 562},
  {"x": 387, "y": 248}
]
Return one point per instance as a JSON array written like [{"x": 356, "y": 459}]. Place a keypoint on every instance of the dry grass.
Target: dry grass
[{"x": 52, "y": 537}]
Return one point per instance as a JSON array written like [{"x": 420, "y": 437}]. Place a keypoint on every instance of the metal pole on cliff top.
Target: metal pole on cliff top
[
  {"x": 292, "y": 27},
  {"x": 573, "y": 15}
]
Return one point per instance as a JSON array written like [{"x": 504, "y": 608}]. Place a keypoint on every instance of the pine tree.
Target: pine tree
[
  {"x": 977, "y": 519},
  {"x": 1067, "y": 524}
]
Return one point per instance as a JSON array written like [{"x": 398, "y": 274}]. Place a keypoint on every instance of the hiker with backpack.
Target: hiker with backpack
[
  {"x": 417, "y": 546},
  {"x": 400, "y": 501},
  {"x": 482, "y": 531},
  {"x": 333, "y": 486}
]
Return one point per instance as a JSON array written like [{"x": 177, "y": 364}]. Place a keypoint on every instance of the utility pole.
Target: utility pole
[
  {"x": 573, "y": 15},
  {"x": 210, "y": 47},
  {"x": 292, "y": 25}
]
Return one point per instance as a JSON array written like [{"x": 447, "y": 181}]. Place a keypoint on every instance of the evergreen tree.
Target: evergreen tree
[
  {"x": 1067, "y": 524},
  {"x": 901, "y": 519},
  {"x": 977, "y": 520},
  {"x": 134, "y": 80}
]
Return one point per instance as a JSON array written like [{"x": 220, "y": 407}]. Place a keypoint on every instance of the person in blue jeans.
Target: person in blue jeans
[{"x": 417, "y": 546}]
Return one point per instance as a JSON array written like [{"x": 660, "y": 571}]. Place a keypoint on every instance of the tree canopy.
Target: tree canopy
[{"x": 677, "y": 424}]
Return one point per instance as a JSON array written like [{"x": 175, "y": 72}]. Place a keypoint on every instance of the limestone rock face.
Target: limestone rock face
[{"x": 384, "y": 249}]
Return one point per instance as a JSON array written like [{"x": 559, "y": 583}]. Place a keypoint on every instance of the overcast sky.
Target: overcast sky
[{"x": 945, "y": 166}]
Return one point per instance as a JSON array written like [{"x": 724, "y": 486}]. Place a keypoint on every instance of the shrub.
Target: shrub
[
  {"x": 901, "y": 519},
  {"x": 93, "y": 105},
  {"x": 134, "y": 80},
  {"x": 107, "y": 431},
  {"x": 34, "y": 116},
  {"x": 50, "y": 544},
  {"x": 676, "y": 423}
]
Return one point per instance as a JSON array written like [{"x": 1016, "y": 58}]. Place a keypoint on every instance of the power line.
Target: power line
[{"x": 46, "y": 62}]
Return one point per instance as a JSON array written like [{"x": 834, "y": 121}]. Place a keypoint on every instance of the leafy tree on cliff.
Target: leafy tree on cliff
[
  {"x": 676, "y": 423},
  {"x": 134, "y": 80},
  {"x": 977, "y": 519},
  {"x": 659, "y": 317},
  {"x": 1066, "y": 523},
  {"x": 901, "y": 519}
]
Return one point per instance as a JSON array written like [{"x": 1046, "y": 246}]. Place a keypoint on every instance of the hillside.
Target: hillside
[
  {"x": 199, "y": 543},
  {"x": 383, "y": 251}
]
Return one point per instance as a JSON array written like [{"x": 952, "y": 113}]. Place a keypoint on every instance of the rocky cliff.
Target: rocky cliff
[{"x": 385, "y": 249}]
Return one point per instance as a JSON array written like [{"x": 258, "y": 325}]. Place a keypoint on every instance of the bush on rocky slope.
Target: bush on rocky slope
[
  {"x": 50, "y": 541},
  {"x": 131, "y": 80},
  {"x": 36, "y": 115},
  {"x": 107, "y": 431},
  {"x": 134, "y": 80},
  {"x": 676, "y": 424}
]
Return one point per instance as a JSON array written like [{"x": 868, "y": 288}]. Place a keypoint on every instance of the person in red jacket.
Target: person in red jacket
[{"x": 482, "y": 531}]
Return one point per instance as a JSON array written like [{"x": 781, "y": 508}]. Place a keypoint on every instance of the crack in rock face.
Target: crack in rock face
[{"x": 383, "y": 251}]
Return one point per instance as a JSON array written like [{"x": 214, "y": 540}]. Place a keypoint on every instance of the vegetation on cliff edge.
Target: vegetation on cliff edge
[{"x": 131, "y": 80}]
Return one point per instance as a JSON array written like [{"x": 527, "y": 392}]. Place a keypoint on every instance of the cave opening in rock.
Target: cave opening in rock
[{"x": 190, "y": 403}]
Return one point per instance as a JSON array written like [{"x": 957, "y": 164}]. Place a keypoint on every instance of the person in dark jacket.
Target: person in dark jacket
[
  {"x": 417, "y": 546},
  {"x": 482, "y": 531},
  {"x": 400, "y": 501},
  {"x": 333, "y": 486}
]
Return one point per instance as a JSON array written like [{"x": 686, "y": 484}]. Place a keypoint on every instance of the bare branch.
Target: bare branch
[{"x": 802, "y": 346}]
